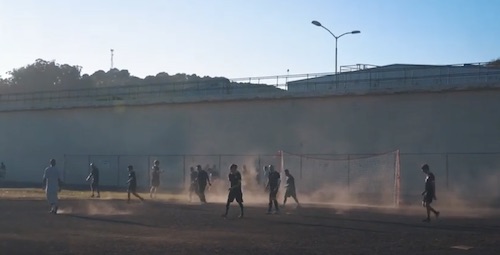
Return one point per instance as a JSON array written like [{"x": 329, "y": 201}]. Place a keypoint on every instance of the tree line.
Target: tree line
[{"x": 43, "y": 75}]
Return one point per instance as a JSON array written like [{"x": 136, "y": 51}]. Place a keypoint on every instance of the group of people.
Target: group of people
[
  {"x": 93, "y": 178},
  {"x": 200, "y": 178},
  {"x": 272, "y": 187}
]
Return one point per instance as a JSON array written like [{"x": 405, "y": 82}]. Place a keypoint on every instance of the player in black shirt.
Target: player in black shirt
[
  {"x": 132, "y": 184},
  {"x": 155, "y": 178},
  {"x": 94, "y": 178},
  {"x": 273, "y": 185},
  {"x": 203, "y": 180},
  {"x": 235, "y": 190},
  {"x": 429, "y": 193},
  {"x": 193, "y": 187},
  {"x": 290, "y": 188}
]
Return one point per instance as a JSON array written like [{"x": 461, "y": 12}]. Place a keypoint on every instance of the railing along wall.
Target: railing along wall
[{"x": 374, "y": 80}]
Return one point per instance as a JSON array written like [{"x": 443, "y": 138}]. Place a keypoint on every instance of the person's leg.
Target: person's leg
[
  {"x": 92, "y": 190},
  {"x": 230, "y": 198},
  {"x": 241, "y": 208},
  {"x": 274, "y": 200},
  {"x": 54, "y": 201},
  {"x": 202, "y": 193},
  {"x": 240, "y": 202},
  {"x": 128, "y": 196},
  {"x": 428, "y": 210},
  {"x": 270, "y": 205},
  {"x": 295, "y": 198},
  {"x": 427, "y": 204},
  {"x": 228, "y": 203},
  {"x": 137, "y": 195},
  {"x": 436, "y": 213},
  {"x": 50, "y": 199},
  {"x": 98, "y": 190},
  {"x": 151, "y": 191},
  {"x": 56, "y": 205},
  {"x": 277, "y": 209},
  {"x": 51, "y": 205}
]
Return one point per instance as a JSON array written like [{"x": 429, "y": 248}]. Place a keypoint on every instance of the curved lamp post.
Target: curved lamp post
[{"x": 316, "y": 23}]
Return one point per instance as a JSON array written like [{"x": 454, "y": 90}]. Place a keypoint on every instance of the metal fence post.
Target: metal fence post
[
  {"x": 348, "y": 171},
  {"x": 118, "y": 171},
  {"x": 447, "y": 173},
  {"x": 149, "y": 168},
  {"x": 184, "y": 167},
  {"x": 259, "y": 163},
  {"x": 64, "y": 167},
  {"x": 220, "y": 163},
  {"x": 300, "y": 168}
]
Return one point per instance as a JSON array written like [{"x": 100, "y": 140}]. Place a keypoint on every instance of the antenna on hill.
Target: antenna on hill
[{"x": 112, "y": 54}]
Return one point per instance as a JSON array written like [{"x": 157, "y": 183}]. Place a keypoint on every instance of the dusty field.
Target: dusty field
[{"x": 164, "y": 226}]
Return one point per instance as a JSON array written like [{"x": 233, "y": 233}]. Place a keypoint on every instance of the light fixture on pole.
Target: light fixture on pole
[{"x": 316, "y": 23}]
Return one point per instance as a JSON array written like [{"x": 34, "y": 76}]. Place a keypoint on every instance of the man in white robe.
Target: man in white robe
[{"x": 52, "y": 182}]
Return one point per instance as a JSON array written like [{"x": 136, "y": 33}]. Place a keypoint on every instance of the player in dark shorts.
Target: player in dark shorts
[
  {"x": 290, "y": 188},
  {"x": 273, "y": 185},
  {"x": 235, "y": 192},
  {"x": 155, "y": 178},
  {"x": 193, "y": 187},
  {"x": 132, "y": 184},
  {"x": 429, "y": 193},
  {"x": 94, "y": 178},
  {"x": 203, "y": 180}
]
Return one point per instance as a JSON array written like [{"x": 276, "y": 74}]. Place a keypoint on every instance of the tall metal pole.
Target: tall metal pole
[
  {"x": 316, "y": 23},
  {"x": 336, "y": 39},
  {"x": 112, "y": 54}
]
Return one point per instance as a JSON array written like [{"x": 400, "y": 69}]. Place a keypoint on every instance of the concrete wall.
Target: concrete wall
[
  {"x": 402, "y": 78},
  {"x": 465, "y": 122}
]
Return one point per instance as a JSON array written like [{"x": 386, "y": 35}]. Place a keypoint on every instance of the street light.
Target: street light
[{"x": 316, "y": 23}]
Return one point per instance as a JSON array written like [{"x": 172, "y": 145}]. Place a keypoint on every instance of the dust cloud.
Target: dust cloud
[
  {"x": 97, "y": 208},
  {"x": 367, "y": 181}
]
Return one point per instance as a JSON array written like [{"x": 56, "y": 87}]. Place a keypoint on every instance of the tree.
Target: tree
[
  {"x": 494, "y": 63},
  {"x": 44, "y": 75},
  {"x": 4, "y": 83}
]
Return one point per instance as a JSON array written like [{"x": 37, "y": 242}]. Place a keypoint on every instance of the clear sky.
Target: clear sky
[{"x": 237, "y": 38}]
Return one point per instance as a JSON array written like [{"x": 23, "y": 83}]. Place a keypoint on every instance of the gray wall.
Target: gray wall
[
  {"x": 402, "y": 78},
  {"x": 465, "y": 122}
]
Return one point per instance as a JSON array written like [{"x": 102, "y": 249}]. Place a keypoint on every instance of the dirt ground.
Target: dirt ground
[{"x": 111, "y": 226}]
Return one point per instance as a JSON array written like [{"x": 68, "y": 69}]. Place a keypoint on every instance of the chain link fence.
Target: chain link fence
[{"x": 459, "y": 176}]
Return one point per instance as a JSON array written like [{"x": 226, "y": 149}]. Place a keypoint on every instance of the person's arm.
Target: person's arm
[
  {"x": 44, "y": 179},
  {"x": 88, "y": 177},
  {"x": 279, "y": 182}
]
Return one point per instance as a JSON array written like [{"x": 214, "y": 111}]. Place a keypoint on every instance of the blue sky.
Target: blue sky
[{"x": 236, "y": 38}]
